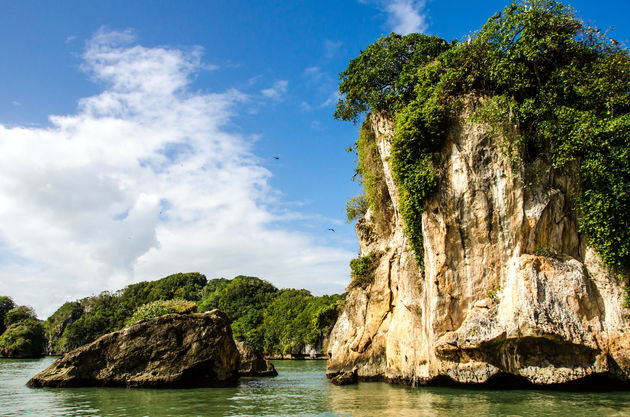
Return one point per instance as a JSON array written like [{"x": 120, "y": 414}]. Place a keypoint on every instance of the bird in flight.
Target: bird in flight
[
  {"x": 332, "y": 230},
  {"x": 276, "y": 157}
]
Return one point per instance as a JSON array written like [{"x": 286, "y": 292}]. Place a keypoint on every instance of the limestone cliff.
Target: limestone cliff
[{"x": 509, "y": 286}]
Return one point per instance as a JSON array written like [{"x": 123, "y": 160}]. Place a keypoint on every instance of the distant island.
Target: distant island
[{"x": 281, "y": 323}]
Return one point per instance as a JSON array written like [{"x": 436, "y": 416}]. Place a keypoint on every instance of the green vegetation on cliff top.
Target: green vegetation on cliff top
[{"x": 550, "y": 87}]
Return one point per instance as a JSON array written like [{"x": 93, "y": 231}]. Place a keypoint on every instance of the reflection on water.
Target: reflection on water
[
  {"x": 381, "y": 399},
  {"x": 300, "y": 389}
]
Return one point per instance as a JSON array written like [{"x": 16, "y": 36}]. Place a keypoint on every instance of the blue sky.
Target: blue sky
[{"x": 139, "y": 138}]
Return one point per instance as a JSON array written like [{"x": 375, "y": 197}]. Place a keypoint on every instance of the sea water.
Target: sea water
[{"x": 300, "y": 389}]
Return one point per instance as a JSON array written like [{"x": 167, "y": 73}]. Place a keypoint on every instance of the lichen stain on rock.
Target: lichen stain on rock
[{"x": 510, "y": 287}]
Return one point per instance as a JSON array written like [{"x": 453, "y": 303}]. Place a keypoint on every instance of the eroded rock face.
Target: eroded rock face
[
  {"x": 509, "y": 287},
  {"x": 253, "y": 363},
  {"x": 169, "y": 351}
]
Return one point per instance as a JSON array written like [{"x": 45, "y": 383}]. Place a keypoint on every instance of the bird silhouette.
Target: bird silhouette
[
  {"x": 276, "y": 157},
  {"x": 332, "y": 230}
]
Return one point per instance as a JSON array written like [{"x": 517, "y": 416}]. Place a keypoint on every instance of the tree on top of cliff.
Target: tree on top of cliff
[
  {"x": 384, "y": 73},
  {"x": 555, "y": 90}
]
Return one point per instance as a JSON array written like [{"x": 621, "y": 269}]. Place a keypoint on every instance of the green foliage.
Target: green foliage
[
  {"x": 549, "y": 88},
  {"x": 384, "y": 75},
  {"x": 6, "y": 304},
  {"x": 56, "y": 324},
  {"x": 371, "y": 174},
  {"x": 23, "y": 334},
  {"x": 83, "y": 321},
  {"x": 161, "y": 307},
  {"x": 295, "y": 318},
  {"x": 548, "y": 251},
  {"x": 567, "y": 89},
  {"x": 23, "y": 339},
  {"x": 18, "y": 314},
  {"x": 243, "y": 299},
  {"x": 271, "y": 320},
  {"x": 493, "y": 294},
  {"x": 356, "y": 208},
  {"x": 626, "y": 298},
  {"x": 363, "y": 269}
]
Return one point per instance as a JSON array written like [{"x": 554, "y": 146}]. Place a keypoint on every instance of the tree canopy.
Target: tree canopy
[
  {"x": 385, "y": 73},
  {"x": 274, "y": 321},
  {"x": 21, "y": 334}
]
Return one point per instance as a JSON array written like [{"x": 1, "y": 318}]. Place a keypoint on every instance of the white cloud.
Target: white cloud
[
  {"x": 315, "y": 74},
  {"x": 278, "y": 90},
  {"x": 403, "y": 16},
  {"x": 332, "y": 99},
  {"x": 331, "y": 48},
  {"x": 143, "y": 181},
  {"x": 407, "y": 16}
]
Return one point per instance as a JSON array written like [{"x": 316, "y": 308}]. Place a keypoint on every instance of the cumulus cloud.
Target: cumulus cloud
[
  {"x": 407, "y": 16},
  {"x": 278, "y": 90},
  {"x": 143, "y": 181},
  {"x": 403, "y": 16}
]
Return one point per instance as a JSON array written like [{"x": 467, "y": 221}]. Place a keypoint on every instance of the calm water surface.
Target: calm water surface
[{"x": 300, "y": 389}]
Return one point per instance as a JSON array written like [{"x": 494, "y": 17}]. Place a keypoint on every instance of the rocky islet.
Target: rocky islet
[
  {"x": 174, "y": 350},
  {"x": 490, "y": 301}
]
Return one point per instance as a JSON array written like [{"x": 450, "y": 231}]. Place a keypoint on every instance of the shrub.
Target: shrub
[
  {"x": 271, "y": 320},
  {"x": 356, "y": 208},
  {"x": 372, "y": 177},
  {"x": 363, "y": 269},
  {"x": 160, "y": 308}
]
